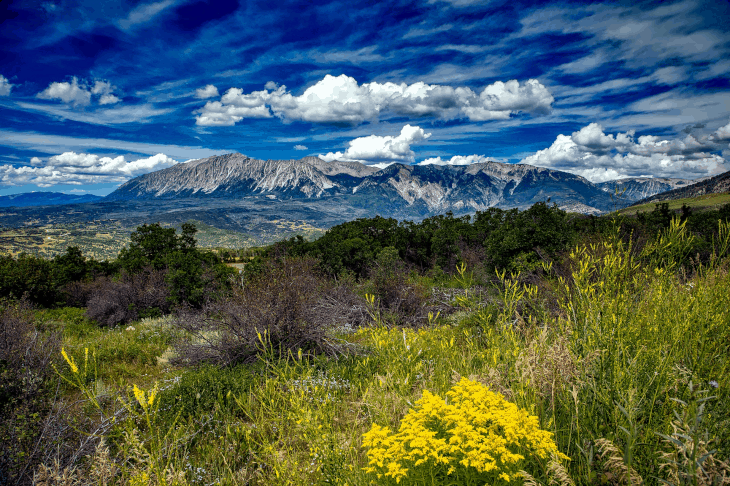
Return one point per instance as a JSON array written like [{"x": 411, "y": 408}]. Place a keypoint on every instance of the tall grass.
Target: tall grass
[{"x": 621, "y": 354}]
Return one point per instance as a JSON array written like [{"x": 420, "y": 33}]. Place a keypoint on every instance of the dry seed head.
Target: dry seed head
[{"x": 614, "y": 463}]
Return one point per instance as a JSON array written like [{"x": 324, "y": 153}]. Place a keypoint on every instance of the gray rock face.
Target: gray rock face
[{"x": 398, "y": 190}]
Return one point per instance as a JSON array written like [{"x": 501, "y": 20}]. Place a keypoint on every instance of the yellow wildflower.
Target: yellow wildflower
[
  {"x": 476, "y": 432},
  {"x": 70, "y": 361},
  {"x": 139, "y": 395}
]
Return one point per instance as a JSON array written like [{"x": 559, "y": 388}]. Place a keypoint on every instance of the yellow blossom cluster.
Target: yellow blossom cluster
[{"x": 474, "y": 436}]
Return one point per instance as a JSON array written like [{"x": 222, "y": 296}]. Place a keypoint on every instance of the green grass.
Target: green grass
[
  {"x": 612, "y": 358},
  {"x": 705, "y": 202}
]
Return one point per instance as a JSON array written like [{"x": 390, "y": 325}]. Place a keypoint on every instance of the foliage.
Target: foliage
[
  {"x": 26, "y": 388},
  {"x": 474, "y": 437},
  {"x": 191, "y": 275}
]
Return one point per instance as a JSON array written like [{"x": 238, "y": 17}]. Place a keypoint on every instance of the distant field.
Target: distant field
[
  {"x": 102, "y": 240},
  {"x": 708, "y": 201}
]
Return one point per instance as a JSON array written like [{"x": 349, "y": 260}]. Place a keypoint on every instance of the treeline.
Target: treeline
[
  {"x": 492, "y": 239},
  {"x": 156, "y": 271}
]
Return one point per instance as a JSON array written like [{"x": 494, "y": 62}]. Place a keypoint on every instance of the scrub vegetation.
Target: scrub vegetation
[{"x": 532, "y": 347}]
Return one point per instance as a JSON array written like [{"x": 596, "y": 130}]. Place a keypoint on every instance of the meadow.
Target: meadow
[{"x": 604, "y": 364}]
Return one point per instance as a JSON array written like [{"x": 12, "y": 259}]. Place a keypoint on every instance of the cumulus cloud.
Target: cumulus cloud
[
  {"x": 375, "y": 149},
  {"x": 81, "y": 168},
  {"x": 341, "y": 100},
  {"x": 104, "y": 90},
  {"x": 458, "y": 160},
  {"x": 722, "y": 133},
  {"x": 599, "y": 157},
  {"x": 79, "y": 93},
  {"x": 300, "y": 147},
  {"x": 209, "y": 91},
  {"x": 5, "y": 86},
  {"x": 67, "y": 92}
]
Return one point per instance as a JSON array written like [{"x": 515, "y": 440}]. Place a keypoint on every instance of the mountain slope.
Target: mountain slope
[
  {"x": 637, "y": 188},
  {"x": 714, "y": 185},
  {"x": 397, "y": 190}
]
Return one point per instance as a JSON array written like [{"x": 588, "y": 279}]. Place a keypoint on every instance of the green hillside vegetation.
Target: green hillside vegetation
[
  {"x": 698, "y": 203},
  {"x": 513, "y": 347}
]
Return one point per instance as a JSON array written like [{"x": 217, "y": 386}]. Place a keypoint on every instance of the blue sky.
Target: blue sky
[{"x": 93, "y": 93}]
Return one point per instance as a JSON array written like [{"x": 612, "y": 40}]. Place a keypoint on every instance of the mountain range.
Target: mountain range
[
  {"x": 45, "y": 199},
  {"x": 397, "y": 190}
]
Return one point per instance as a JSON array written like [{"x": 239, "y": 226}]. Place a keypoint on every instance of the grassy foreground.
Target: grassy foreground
[{"x": 612, "y": 369}]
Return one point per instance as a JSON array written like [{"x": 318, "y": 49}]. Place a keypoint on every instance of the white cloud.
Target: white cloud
[
  {"x": 53, "y": 144},
  {"x": 374, "y": 149},
  {"x": 107, "y": 116},
  {"x": 271, "y": 85},
  {"x": 458, "y": 160},
  {"x": 104, "y": 90},
  {"x": 81, "y": 168},
  {"x": 5, "y": 86},
  {"x": 144, "y": 13},
  {"x": 723, "y": 133},
  {"x": 300, "y": 147},
  {"x": 79, "y": 94},
  {"x": 598, "y": 156},
  {"x": 209, "y": 91},
  {"x": 341, "y": 100},
  {"x": 67, "y": 92}
]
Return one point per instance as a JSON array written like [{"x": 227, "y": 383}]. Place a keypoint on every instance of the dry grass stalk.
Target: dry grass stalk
[
  {"x": 529, "y": 480},
  {"x": 558, "y": 474},
  {"x": 678, "y": 466},
  {"x": 614, "y": 463},
  {"x": 56, "y": 476},
  {"x": 549, "y": 367},
  {"x": 103, "y": 468}
]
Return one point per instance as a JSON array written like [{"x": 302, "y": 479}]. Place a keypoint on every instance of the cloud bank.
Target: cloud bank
[
  {"x": 599, "y": 157},
  {"x": 78, "y": 169},
  {"x": 458, "y": 160},
  {"x": 341, "y": 100},
  {"x": 375, "y": 149}
]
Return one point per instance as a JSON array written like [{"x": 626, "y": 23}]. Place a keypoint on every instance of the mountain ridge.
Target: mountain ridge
[
  {"x": 29, "y": 199},
  {"x": 397, "y": 190}
]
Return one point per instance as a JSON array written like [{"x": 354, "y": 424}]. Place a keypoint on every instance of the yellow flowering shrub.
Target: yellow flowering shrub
[{"x": 475, "y": 436}]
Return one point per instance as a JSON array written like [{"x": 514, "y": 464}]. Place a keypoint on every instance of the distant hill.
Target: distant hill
[
  {"x": 400, "y": 191},
  {"x": 45, "y": 199},
  {"x": 718, "y": 184}
]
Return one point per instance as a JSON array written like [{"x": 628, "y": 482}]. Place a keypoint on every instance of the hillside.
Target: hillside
[
  {"x": 719, "y": 184},
  {"x": 637, "y": 188}
]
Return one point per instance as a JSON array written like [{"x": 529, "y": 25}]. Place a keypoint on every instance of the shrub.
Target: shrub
[
  {"x": 404, "y": 302},
  {"x": 25, "y": 390},
  {"x": 284, "y": 310},
  {"x": 475, "y": 437},
  {"x": 131, "y": 297}
]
